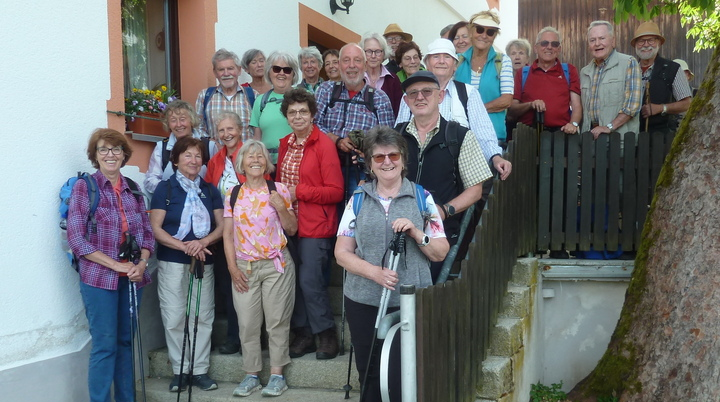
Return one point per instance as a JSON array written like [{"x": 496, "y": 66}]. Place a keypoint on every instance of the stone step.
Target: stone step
[
  {"x": 157, "y": 391},
  {"x": 304, "y": 372}
]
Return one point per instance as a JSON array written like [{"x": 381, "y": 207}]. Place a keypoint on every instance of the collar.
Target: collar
[
  {"x": 536, "y": 66},
  {"x": 604, "y": 62}
]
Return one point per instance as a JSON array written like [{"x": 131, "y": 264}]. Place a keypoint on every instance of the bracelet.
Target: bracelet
[
  {"x": 442, "y": 206},
  {"x": 144, "y": 260}
]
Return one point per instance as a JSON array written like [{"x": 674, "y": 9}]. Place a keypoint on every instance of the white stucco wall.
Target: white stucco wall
[{"x": 54, "y": 80}]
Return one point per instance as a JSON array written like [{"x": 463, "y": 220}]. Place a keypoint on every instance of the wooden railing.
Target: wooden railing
[{"x": 455, "y": 318}]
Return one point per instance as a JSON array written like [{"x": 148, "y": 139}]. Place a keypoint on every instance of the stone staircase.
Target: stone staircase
[{"x": 309, "y": 379}]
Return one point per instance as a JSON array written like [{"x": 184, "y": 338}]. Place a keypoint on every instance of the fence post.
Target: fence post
[{"x": 408, "y": 342}]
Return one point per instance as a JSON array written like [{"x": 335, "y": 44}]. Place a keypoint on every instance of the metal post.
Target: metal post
[{"x": 408, "y": 351}]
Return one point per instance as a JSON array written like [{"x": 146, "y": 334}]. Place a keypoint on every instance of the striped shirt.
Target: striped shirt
[
  {"x": 220, "y": 102},
  {"x": 632, "y": 92}
]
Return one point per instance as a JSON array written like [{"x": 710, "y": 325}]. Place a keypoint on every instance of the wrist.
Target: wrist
[{"x": 337, "y": 141}]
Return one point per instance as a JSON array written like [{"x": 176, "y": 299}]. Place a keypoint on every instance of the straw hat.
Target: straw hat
[
  {"x": 395, "y": 29},
  {"x": 684, "y": 66},
  {"x": 647, "y": 28}
]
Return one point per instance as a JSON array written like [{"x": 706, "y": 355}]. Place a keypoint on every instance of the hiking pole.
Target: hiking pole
[
  {"x": 197, "y": 268},
  {"x": 132, "y": 340},
  {"x": 186, "y": 331},
  {"x": 396, "y": 247},
  {"x": 342, "y": 314},
  {"x": 135, "y": 303},
  {"x": 540, "y": 121},
  {"x": 347, "y": 387},
  {"x": 647, "y": 102},
  {"x": 130, "y": 251}
]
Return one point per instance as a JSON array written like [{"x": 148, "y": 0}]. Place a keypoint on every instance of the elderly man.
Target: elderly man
[
  {"x": 450, "y": 172},
  {"x": 310, "y": 61},
  {"x": 229, "y": 95},
  {"x": 548, "y": 86},
  {"x": 394, "y": 35},
  {"x": 611, "y": 85},
  {"x": 667, "y": 93}
]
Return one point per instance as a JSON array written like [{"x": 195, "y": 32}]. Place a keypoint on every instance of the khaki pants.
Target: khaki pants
[
  {"x": 173, "y": 279},
  {"x": 272, "y": 294}
]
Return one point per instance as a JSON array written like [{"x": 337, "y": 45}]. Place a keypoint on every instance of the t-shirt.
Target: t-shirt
[
  {"x": 273, "y": 124},
  {"x": 210, "y": 197}
]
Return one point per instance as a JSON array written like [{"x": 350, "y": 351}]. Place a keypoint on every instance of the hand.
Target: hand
[
  {"x": 277, "y": 201},
  {"x": 647, "y": 110},
  {"x": 239, "y": 280},
  {"x": 569, "y": 129},
  {"x": 135, "y": 274},
  {"x": 193, "y": 248},
  {"x": 345, "y": 145},
  {"x": 386, "y": 278},
  {"x": 293, "y": 194},
  {"x": 503, "y": 166},
  {"x": 406, "y": 226},
  {"x": 599, "y": 130},
  {"x": 538, "y": 105},
  {"x": 122, "y": 267}
]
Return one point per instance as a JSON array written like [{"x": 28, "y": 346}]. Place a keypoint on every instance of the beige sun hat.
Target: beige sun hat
[
  {"x": 684, "y": 66},
  {"x": 647, "y": 28},
  {"x": 395, "y": 29}
]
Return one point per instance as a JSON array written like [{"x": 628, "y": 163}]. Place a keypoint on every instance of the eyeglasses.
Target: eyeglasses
[
  {"x": 466, "y": 37},
  {"x": 371, "y": 53},
  {"x": 426, "y": 93},
  {"x": 286, "y": 70},
  {"x": 115, "y": 150},
  {"x": 380, "y": 158},
  {"x": 490, "y": 31},
  {"x": 544, "y": 43},
  {"x": 650, "y": 41},
  {"x": 301, "y": 113},
  {"x": 393, "y": 39}
]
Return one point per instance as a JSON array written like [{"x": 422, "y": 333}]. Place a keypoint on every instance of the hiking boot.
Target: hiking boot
[
  {"x": 229, "y": 348},
  {"x": 276, "y": 386},
  {"x": 249, "y": 385},
  {"x": 303, "y": 343},
  {"x": 175, "y": 385},
  {"x": 328, "y": 348},
  {"x": 204, "y": 382}
]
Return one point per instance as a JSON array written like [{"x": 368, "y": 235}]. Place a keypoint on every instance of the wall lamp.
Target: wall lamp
[{"x": 347, "y": 3}]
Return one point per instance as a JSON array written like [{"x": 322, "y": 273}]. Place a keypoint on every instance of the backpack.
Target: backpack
[
  {"x": 368, "y": 98},
  {"x": 249, "y": 94},
  {"x": 463, "y": 96},
  {"x": 526, "y": 72},
  {"x": 165, "y": 155},
  {"x": 94, "y": 200},
  {"x": 266, "y": 98},
  {"x": 419, "y": 198}
]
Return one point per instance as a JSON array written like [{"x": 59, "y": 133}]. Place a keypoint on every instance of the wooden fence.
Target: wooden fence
[
  {"x": 455, "y": 318},
  {"x": 595, "y": 194}
]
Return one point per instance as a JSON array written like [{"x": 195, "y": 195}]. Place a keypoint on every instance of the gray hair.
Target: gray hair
[
  {"x": 253, "y": 145},
  {"x": 288, "y": 59},
  {"x": 446, "y": 30},
  {"x": 381, "y": 40},
  {"x": 347, "y": 45},
  {"x": 228, "y": 114},
  {"x": 610, "y": 28},
  {"x": 548, "y": 29},
  {"x": 310, "y": 51},
  {"x": 520, "y": 43},
  {"x": 224, "y": 54},
  {"x": 176, "y": 107},
  {"x": 249, "y": 56}
]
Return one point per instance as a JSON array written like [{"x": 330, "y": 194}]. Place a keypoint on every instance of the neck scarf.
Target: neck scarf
[{"x": 194, "y": 215}]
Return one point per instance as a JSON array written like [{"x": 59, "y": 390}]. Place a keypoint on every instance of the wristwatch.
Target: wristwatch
[
  {"x": 610, "y": 126},
  {"x": 574, "y": 123},
  {"x": 425, "y": 241},
  {"x": 450, "y": 210},
  {"x": 664, "y": 112}
]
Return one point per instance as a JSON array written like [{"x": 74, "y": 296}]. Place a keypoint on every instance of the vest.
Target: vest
[
  {"x": 611, "y": 93},
  {"x": 661, "y": 80}
]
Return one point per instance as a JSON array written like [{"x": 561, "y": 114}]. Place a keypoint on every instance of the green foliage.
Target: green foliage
[
  {"x": 607, "y": 399},
  {"x": 543, "y": 393},
  {"x": 703, "y": 16}
]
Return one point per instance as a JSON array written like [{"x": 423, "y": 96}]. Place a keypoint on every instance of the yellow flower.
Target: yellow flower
[
  {"x": 164, "y": 88},
  {"x": 158, "y": 93},
  {"x": 135, "y": 89}
]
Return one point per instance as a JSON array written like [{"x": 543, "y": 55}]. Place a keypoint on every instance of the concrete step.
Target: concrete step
[
  {"x": 304, "y": 372},
  {"x": 157, "y": 391}
]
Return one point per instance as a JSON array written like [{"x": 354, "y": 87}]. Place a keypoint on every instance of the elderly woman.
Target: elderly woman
[
  {"x": 389, "y": 207},
  {"x": 105, "y": 278},
  {"x": 309, "y": 166},
  {"x": 331, "y": 63},
  {"x": 221, "y": 174},
  {"x": 408, "y": 57},
  {"x": 269, "y": 124},
  {"x": 253, "y": 61},
  {"x": 519, "y": 52},
  {"x": 460, "y": 37},
  {"x": 488, "y": 71},
  {"x": 258, "y": 214},
  {"x": 182, "y": 121},
  {"x": 376, "y": 74},
  {"x": 311, "y": 62},
  {"x": 186, "y": 217}
]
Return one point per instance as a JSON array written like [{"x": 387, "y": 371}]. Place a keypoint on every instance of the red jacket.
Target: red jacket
[
  {"x": 216, "y": 166},
  {"x": 321, "y": 185}
]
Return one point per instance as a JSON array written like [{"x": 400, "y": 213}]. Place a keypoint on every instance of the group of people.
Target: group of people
[{"x": 261, "y": 183}]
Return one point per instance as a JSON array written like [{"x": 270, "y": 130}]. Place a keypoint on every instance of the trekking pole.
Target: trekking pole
[
  {"x": 197, "y": 268},
  {"x": 130, "y": 251},
  {"x": 186, "y": 331},
  {"x": 135, "y": 304},
  {"x": 540, "y": 121},
  {"x": 132, "y": 340},
  {"x": 347, "y": 387},
  {"x": 342, "y": 314},
  {"x": 647, "y": 102},
  {"x": 396, "y": 247}
]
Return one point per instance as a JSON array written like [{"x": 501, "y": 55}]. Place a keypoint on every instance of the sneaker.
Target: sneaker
[
  {"x": 204, "y": 382},
  {"x": 249, "y": 385},
  {"x": 175, "y": 385},
  {"x": 276, "y": 386}
]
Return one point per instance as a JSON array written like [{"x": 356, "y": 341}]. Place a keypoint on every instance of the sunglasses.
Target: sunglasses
[
  {"x": 286, "y": 70},
  {"x": 544, "y": 43},
  {"x": 426, "y": 93},
  {"x": 490, "y": 31},
  {"x": 380, "y": 158}
]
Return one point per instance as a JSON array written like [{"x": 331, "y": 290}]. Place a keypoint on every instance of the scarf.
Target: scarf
[{"x": 194, "y": 215}]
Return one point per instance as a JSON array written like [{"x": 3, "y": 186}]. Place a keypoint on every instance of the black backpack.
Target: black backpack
[{"x": 165, "y": 156}]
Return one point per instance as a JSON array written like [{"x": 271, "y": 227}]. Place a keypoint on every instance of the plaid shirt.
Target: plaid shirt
[
  {"x": 345, "y": 117},
  {"x": 471, "y": 162},
  {"x": 108, "y": 236},
  {"x": 291, "y": 164},
  {"x": 220, "y": 102},
  {"x": 632, "y": 92}
]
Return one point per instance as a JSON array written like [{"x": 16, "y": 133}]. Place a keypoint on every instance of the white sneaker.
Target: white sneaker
[
  {"x": 276, "y": 386},
  {"x": 249, "y": 385}
]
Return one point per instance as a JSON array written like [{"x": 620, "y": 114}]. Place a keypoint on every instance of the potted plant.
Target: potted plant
[{"x": 147, "y": 106}]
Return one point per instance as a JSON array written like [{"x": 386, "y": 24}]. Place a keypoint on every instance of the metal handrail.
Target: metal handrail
[
  {"x": 452, "y": 254},
  {"x": 119, "y": 113}
]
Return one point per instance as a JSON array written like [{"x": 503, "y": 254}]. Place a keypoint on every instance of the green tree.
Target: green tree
[{"x": 703, "y": 16}]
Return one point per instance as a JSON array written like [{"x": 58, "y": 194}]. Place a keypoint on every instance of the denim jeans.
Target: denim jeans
[{"x": 111, "y": 356}]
